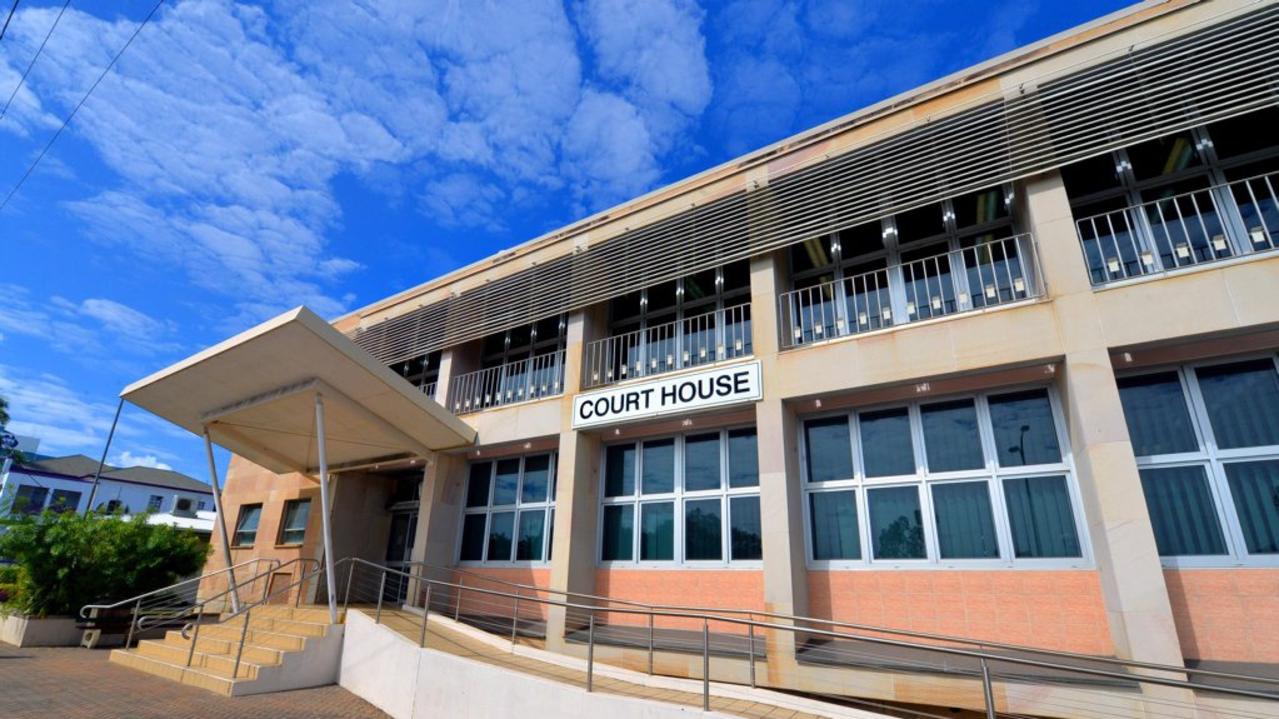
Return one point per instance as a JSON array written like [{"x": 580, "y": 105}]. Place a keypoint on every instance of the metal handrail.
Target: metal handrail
[
  {"x": 983, "y": 657},
  {"x": 989, "y": 274},
  {"x": 84, "y": 611},
  {"x": 1131, "y": 663},
  {"x": 537, "y": 377},
  {"x": 1186, "y": 229},
  {"x": 715, "y": 336}
]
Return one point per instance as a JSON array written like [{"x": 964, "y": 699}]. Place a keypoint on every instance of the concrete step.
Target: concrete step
[
  {"x": 255, "y": 637},
  {"x": 191, "y": 676},
  {"x": 217, "y": 664},
  {"x": 287, "y": 626},
  {"x": 311, "y": 614},
  {"x": 264, "y": 656}
]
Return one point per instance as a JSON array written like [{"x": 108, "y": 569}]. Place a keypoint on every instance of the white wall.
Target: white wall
[
  {"x": 387, "y": 670},
  {"x": 133, "y": 495}
]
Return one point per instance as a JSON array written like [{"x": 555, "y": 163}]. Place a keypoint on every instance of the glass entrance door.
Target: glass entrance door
[{"x": 399, "y": 548}]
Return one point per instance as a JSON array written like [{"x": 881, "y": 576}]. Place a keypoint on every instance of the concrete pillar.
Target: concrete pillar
[
  {"x": 781, "y": 497},
  {"x": 439, "y": 511},
  {"x": 1123, "y": 541},
  {"x": 577, "y": 485}
]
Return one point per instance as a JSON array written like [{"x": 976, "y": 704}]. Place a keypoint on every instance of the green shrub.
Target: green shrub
[{"x": 69, "y": 560}]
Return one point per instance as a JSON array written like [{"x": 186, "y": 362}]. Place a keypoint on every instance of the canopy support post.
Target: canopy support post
[
  {"x": 324, "y": 508},
  {"x": 217, "y": 507}
]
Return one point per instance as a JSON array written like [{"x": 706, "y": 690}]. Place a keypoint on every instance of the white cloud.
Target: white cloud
[
  {"x": 94, "y": 328},
  {"x": 129, "y": 459},
  {"x": 607, "y": 151}
]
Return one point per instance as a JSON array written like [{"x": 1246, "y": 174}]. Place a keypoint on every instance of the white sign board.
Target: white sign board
[{"x": 673, "y": 395}]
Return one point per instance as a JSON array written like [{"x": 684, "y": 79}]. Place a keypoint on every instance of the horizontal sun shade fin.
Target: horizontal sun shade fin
[{"x": 1220, "y": 71}]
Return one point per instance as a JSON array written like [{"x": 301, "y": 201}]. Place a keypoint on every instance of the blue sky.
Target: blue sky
[{"x": 243, "y": 159}]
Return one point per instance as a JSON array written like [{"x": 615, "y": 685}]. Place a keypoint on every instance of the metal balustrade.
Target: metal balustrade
[
  {"x": 985, "y": 275},
  {"x": 1192, "y": 228},
  {"x": 689, "y": 342},
  {"x": 428, "y": 389},
  {"x": 529, "y": 379}
]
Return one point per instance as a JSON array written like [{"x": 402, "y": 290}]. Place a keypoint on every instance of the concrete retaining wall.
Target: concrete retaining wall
[
  {"x": 390, "y": 672},
  {"x": 25, "y": 631}
]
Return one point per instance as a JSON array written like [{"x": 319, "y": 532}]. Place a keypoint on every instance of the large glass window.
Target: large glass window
[
  {"x": 919, "y": 484},
  {"x": 30, "y": 499},
  {"x": 697, "y": 499},
  {"x": 509, "y": 510},
  {"x": 293, "y": 526},
  {"x": 1206, "y": 439}
]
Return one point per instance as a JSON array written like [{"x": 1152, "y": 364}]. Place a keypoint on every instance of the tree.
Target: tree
[
  {"x": 18, "y": 457},
  {"x": 4, "y": 412},
  {"x": 70, "y": 560}
]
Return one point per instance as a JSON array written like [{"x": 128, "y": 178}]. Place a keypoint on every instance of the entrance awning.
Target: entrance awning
[{"x": 256, "y": 395}]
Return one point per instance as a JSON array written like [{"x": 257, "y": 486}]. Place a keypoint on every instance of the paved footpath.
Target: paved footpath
[{"x": 74, "y": 682}]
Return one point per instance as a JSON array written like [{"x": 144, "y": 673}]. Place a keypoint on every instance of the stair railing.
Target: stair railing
[
  {"x": 942, "y": 656},
  {"x": 176, "y": 599}
]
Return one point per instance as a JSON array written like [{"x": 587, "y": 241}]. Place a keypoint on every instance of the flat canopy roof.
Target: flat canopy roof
[{"x": 255, "y": 393}]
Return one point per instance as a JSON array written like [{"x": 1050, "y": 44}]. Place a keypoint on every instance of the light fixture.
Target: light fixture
[
  {"x": 862, "y": 319},
  {"x": 887, "y": 313},
  {"x": 477, "y": 453},
  {"x": 1183, "y": 250},
  {"x": 910, "y": 308},
  {"x": 701, "y": 352},
  {"x": 685, "y": 355},
  {"x": 922, "y": 387},
  {"x": 1148, "y": 258},
  {"x": 990, "y": 291},
  {"x": 617, "y": 431},
  {"x": 1219, "y": 243},
  {"x": 799, "y": 333},
  {"x": 817, "y": 329},
  {"x": 1258, "y": 236},
  {"x": 1019, "y": 285},
  {"x": 935, "y": 302},
  {"x": 1113, "y": 265},
  {"x": 817, "y": 403},
  {"x": 595, "y": 376},
  {"x": 737, "y": 345},
  {"x": 670, "y": 360},
  {"x": 963, "y": 298},
  {"x": 687, "y": 422},
  {"x": 528, "y": 445},
  {"x": 719, "y": 349},
  {"x": 1128, "y": 358}
]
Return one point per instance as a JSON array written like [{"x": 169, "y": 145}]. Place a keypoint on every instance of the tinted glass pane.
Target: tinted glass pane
[
  {"x": 1156, "y": 413},
  {"x": 1042, "y": 521},
  {"x": 920, "y": 223},
  {"x": 980, "y": 208},
  {"x": 965, "y": 523},
  {"x": 834, "y": 525},
  {"x": 701, "y": 462},
  {"x": 829, "y": 452},
  {"x": 1255, "y": 488},
  {"x": 743, "y": 458},
  {"x": 619, "y": 471},
  {"x": 1242, "y": 399},
  {"x": 472, "y": 538},
  {"x": 619, "y": 525},
  {"x": 950, "y": 436},
  {"x": 699, "y": 286},
  {"x": 702, "y": 527},
  {"x": 886, "y": 446},
  {"x": 746, "y": 539},
  {"x": 1024, "y": 429},
  {"x": 661, "y": 297},
  {"x": 896, "y": 525},
  {"x": 810, "y": 255},
  {"x": 657, "y": 531},
  {"x": 658, "y": 467},
  {"x": 501, "y": 529},
  {"x": 861, "y": 240},
  {"x": 507, "y": 482},
  {"x": 1163, "y": 156},
  {"x": 1241, "y": 135},
  {"x": 532, "y": 527},
  {"x": 537, "y": 478},
  {"x": 30, "y": 499},
  {"x": 1182, "y": 511},
  {"x": 737, "y": 276},
  {"x": 477, "y": 485},
  {"x": 1090, "y": 176}
]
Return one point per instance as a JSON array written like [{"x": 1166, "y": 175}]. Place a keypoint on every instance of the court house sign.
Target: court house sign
[{"x": 673, "y": 395}]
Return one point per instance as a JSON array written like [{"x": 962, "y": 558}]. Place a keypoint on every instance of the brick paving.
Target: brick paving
[{"x": 74, "y": 682}]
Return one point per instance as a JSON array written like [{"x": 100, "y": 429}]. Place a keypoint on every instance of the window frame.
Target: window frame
[
  {"x": 239, "y": 520},
  {"x": 991, "y": 472},
  {"x": 547, "y": 507},
  {"x": 284, "y": 521},
  {"x": 1214, "y": 462},
  {"x": 678, "y": 497}
]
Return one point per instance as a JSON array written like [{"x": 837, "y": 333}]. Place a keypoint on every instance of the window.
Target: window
[
  {"x": 293, "y": 526},
  {"x": 1206, "y": 439},
  {"x": 953, "y": 481},
  {"x": 509, "y": 510},
  {"x": 696, "y": 501},
  {"x": 246, "y": 527},
  {"x": 64, "y": 500},
  {"x": 154, "y": 502},
  {"x": 687, "y": 322},
  {"x": 201, "y": 506},
  {"x": 30, "y": 499}
]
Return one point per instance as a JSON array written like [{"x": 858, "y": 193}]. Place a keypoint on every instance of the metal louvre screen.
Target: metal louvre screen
[{"x": 1216, "y": 72}]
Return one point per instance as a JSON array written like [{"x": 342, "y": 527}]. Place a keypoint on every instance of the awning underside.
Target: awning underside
[{"x": 256, "y": 395}]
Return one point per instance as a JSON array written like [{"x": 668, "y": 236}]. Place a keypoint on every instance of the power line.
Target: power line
[
  {"x": 80, "y": 104},
  {"x": 22, "y": 80},
  {"x": 12, "y": 10}
]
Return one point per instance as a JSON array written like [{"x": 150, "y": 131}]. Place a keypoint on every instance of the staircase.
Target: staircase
[{"x": 284, "y": 648}]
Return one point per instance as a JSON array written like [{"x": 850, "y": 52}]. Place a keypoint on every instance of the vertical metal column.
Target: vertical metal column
[
  {"x": 327, "y": 530},
  {"x": 706, "y": 665},
  {"x": 987, "y": 690},
  {"x": 217, "y": 506}
]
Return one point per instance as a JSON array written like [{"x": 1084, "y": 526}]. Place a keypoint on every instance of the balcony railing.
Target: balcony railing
[
  {"x": 1193, "y": 228},
  {"x": 428, "y": 389},
  {"x": 690, "y": 342},
  {"x": 533, "y": 378},
  {"x": 984, "y": 275}
]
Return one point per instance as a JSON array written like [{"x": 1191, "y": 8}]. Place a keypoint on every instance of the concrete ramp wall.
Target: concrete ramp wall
[{"x": 389, "y": 671}]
